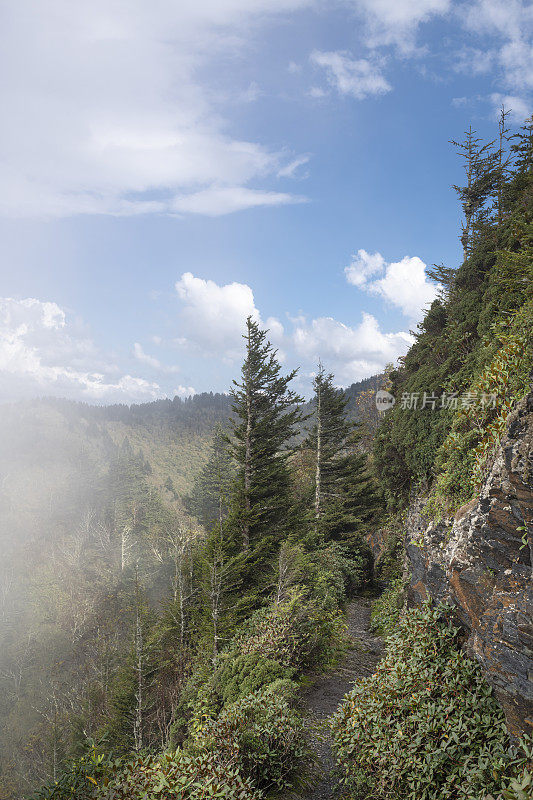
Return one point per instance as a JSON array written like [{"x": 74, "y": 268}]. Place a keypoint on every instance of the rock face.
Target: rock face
[{"x": 481, "y": 563}]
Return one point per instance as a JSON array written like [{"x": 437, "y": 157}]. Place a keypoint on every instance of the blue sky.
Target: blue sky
[{"x": 170, "y": 167}]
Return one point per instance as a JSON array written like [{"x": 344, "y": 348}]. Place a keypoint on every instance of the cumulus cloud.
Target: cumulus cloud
[
  {"x": 362, "y": 266},
  {"x": 103, "y": 111},
  {"x": 42, "y": 354},
  {"x": 351, "y": 353},
  {"x": 358, "y": 78},
  {"x": 213, "y": 317},
  {"x": 212, "y": 324},
  {"x": 402, "y": 283}
]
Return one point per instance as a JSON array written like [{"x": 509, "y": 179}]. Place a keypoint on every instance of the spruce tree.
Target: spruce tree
[
  {"x": 354, "y": 502},
  {"x": 209, "y": 499},
  {"x": 265, "y": 416},
  {"x": 326, "y": 440},
  {"x": 481, "y": 164},
  {"x": 345, "y": 498}
]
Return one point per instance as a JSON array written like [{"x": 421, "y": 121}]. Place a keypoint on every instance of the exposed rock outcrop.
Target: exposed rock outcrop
[{"x": 481, "y": 563}]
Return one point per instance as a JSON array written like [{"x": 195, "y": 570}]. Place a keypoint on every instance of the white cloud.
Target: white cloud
[
  {"x": 473, "y": 61},
  {"x": 215, "y": 202},
  {"x": 317, "y": 92},
  {"x": 103, "y": 111},
  {"x": 212, "y": 323},
  {"x": 511, "y": 22},
  {"x": 290, "y": 169},
  {"x": 362, "y": 266},
  {"x": 402, "y": 283},
  {"x": 395, "y": 22},
  {"x": 519, "y": 108},
  {"x": 185, "y": 391},
  {"x": 41, "y": 353},
  {"x": 359, "y": 78},
  {"x": 213, "y": 317},
  {"x": 139, "y": 354},
  {"x": 351, "y": 353}
]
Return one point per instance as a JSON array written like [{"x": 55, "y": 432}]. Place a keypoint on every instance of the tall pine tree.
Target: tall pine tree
[
  {"x": 345, "y": 498},
  {"x": 326, "y": 440},
  {"x": 209, "y": 498},
  {"x": 265, "y": 417}
]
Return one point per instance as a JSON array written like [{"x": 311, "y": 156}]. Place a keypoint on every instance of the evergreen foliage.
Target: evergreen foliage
[
  {"x": 457, "y": 342},
  {"x": 265, "y": 417}
]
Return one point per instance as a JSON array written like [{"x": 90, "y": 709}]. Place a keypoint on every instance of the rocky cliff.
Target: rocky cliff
[{"x": 481, "y": 563}]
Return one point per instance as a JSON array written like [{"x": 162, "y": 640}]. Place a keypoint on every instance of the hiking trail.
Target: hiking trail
[{"x": 324, "y": 695}]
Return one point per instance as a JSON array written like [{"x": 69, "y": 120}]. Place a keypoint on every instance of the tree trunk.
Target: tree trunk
[
  {"x": 247, "y": 463},
  {"x": 318, "y": 474},
  {"x": 139, "y": 658}
]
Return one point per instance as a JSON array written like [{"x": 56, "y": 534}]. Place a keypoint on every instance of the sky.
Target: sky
[{"x": 169, "y": 168}]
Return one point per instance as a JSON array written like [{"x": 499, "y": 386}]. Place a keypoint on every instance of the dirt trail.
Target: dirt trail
[{"x": 327, "y": 691}]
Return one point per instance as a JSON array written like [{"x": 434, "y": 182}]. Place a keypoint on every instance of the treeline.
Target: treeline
[{"x": 188, "y": 411}]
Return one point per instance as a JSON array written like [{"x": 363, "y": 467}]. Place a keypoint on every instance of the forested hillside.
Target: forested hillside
[
  {"x": 177, "y": 571},
  {"x": 80, "y": 488},
  {"x": 83, "y": 490}
]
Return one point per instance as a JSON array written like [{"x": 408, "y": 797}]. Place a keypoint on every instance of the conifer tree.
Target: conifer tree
[
  {"x": 129, "y": 699},
  {"x": 522, "y": 148},
  {"x": 218, "y": 578},
  {"x": 326, "y": 440},
  {"x": 355, "y": 501},
  {"x": 481, "y": 169},
  {"x": 345, "y": 498},
  {"x": 265, "y": 416},
  {"x": 209, "y": 499}
]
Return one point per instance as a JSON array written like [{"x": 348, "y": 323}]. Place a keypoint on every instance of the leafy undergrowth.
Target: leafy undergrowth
[
  {"x": 388, "y": 607},
  {"x": 425, "y": 726}
]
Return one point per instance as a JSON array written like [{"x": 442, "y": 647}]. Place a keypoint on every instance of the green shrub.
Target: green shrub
[
  {"x": 298, "y": 633},
  {"x": 176, "y": 776},
  {"x": 79, "y": 778},
  {"x": 425, "y": 726},
  {"x": 387, "y": 608},
  {"x": 337, "y": 571},
  {"x": 520, "y": 786},
  {"x": 145, "y": 777},
  {"x": 262, "y": 735},
  {"x": 246, "y": 673}
]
